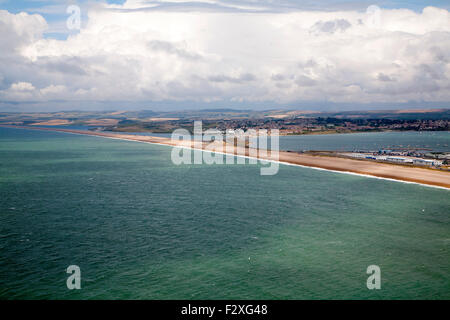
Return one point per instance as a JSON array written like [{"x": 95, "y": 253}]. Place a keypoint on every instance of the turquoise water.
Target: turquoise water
[{"x": 140, "y": 227}]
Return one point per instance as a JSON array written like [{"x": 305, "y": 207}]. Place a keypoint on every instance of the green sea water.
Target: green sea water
[{"x": 140, "y": 227}]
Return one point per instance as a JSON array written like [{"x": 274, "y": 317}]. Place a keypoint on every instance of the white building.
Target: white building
[
  {"x": 427, "y": 162},
  {"x": 399, "y": 159}
]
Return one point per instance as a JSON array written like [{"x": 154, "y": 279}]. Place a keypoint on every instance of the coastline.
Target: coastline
[
  {"x": 309, "y": 133},
  {"x": 422, "y": 176}
]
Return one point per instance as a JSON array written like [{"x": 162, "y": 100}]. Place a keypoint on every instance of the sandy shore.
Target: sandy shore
[{"x": 382, "y": 170}]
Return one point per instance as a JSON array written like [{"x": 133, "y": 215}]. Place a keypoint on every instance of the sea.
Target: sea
[{"x": 140, "y": 227}]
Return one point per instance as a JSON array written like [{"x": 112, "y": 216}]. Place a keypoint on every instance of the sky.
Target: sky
[{"x": 243, "y": 54}]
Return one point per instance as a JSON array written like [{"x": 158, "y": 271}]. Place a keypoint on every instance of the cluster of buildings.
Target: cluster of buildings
[
  {"x": 396, "y": 159},
  {"x": 238, "y": 132},
  {"x": 304, "y": 125}
]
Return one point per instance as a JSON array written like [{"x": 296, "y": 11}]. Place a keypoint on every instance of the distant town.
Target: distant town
[{"x": 324, "y": 125}]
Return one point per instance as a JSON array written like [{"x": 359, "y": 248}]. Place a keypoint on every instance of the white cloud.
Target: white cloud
[
  {"x": 19, "y": 30},
  {"x": 22, "y": 86},
  {"x": 204, "y": 55},
  {"x": 20, "y": 91}
]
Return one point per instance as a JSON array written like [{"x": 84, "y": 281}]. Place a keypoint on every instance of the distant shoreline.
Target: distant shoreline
[
  {"x": 423, "y": 176},
  {"x": 311, "y": 133},
  {"x": 318, "y": 133}
]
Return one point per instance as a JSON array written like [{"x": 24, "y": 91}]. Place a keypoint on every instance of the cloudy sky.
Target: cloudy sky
[{"x": 177, "y": 54}]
